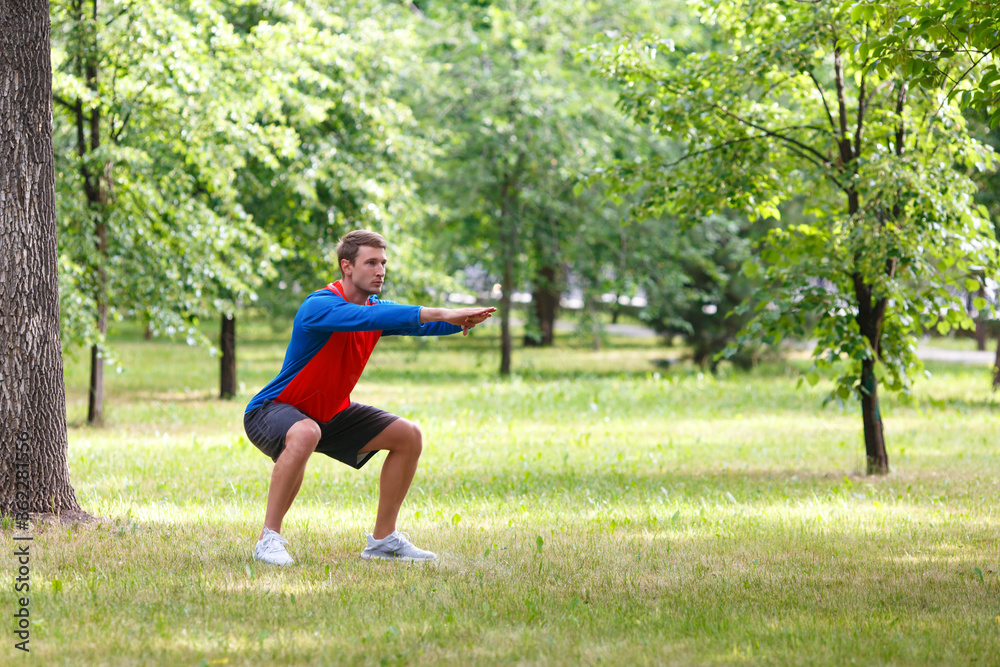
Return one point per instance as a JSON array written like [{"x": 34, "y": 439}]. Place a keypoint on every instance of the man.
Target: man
[{"x": 307, "y": 408}]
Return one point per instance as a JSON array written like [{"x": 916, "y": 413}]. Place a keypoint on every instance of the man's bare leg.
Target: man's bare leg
[
  {"x": 286, "y": 478},
  {"x": 403, "y": 441}
]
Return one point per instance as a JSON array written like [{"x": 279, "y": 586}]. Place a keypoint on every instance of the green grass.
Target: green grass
[{"x": 594, "y": 508}]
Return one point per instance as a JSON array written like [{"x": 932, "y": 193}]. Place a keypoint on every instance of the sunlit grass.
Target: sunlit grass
[{"x": 596, "y": 507}]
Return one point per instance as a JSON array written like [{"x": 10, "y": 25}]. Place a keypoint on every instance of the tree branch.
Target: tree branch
[
  {"x": 774, "y": 134},
  {"x": 822, "y": 96},
  {"x": 966, "y": 73},
  {"x": 845, "y": 142},
  {"x": 69, "y": 105},
  {"x": 862, "y": 106}
]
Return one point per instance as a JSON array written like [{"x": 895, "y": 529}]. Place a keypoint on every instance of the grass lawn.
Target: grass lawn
[{"x": 594, "y": 508}]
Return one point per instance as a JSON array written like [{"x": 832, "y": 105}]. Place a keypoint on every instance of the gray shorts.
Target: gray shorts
[{"x": 342, "y": 437}]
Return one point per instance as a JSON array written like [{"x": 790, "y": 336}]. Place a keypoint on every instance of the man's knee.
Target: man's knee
[
  {"x": 302, "y": 438},
  {"x": 411, "y": 439}
]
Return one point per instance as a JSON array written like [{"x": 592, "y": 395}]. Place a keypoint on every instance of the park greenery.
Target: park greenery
[
  {"x": 790, "y": 193},
  {"x": 592, "y": 508},
  {"x": 754, "y": 171}
]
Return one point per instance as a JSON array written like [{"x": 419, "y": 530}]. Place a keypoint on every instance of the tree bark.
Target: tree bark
[
  {"x": 996, "y": 366},
  {"x": 595, "y": 324},
  {"x": 508, "y": 249},
  {"x": 506, "y": 283},
  {"x": 96, "y": 186},
  {"x": 34, "y": 473},
  {"x": 545, "y": 298},
  {"x": 227, "y": 365},
  {"x": 875, "y": 452},
  {"x": 870, "y": 315},
  {"x": 981, "y": 332}
]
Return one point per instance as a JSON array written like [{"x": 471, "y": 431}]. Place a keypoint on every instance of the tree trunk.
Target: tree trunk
[
  {"x": 996, "y": 367},
  {"x": 96, "y": 187},
  {"x": 545, "y": 299},
  {"x": 505, "y": 348},
  {"x": 508, "y": 249},
  {"x": 981, "y": 333},
  {"x": 95, "y": 393},
  {"x": 506, "y": 287},
  {"x": 595, "y": 323},
  {"x": 227, "y": 365},
  {"x": 878, "y": 459},
  {"x": 34, "y": 474}
]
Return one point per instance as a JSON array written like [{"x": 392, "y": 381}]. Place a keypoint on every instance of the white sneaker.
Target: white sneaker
[
  {"x": 271, "y": 549},
  {"x": 396, "y": 546}
]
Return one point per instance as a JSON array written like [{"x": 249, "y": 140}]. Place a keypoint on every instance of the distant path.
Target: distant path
[
  {"x": 956, "y": 356},
  {"x": 924, "y": 351},
  {"x": 627, "y": 330}
]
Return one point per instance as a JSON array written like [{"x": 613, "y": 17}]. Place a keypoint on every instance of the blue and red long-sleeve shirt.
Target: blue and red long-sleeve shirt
[{"x": 332, "y": 340}]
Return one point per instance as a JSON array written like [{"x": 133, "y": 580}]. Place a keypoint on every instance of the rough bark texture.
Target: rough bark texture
[
  {"x": 32, "y": 395},
  {"x": 227, "y": 365}
]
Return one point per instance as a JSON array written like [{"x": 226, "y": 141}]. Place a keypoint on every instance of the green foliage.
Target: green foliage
[
  {"x": 890, "y": 229},
  {"x": 915, "y": 36},
  {"x": 234, "y": 144},
  {"x": 519, "y": 121},
  {"x": 155, "y": 114},
  {"x": 336, "y": 74}
]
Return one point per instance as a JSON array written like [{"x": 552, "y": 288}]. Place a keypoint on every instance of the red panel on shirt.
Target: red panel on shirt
[{"x": 323, "y": 388}]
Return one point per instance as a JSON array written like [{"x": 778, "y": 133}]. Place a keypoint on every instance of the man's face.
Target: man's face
[{"x": 368, "y": 270}]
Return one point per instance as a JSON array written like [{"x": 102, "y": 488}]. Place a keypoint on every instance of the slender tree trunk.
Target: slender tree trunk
[
  {"x": 981, "y": 333},
  {"x": 96, "y": 183},
  {"x": 505, "y": 347},
  {"x": 508, "y": 250},
  {"x": 95, "y": 394},
  {"x": 227, "y": 365},
  {"x": 595, "y": 323},
  {"x": 34, "y": 474},
  {"x": 545, "y": 299},
  {"x": 996, "y": 366},
  {"x": 875, "y": 453},
  {"x": 870, "y": 315},
  {"x": 506, "y": 287}
]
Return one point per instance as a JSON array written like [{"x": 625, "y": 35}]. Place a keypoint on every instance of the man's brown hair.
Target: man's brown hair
[{"x": 351, "y": 242}]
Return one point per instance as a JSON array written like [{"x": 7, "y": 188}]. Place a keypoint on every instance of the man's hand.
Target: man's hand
[{"x": 466, "y": 318}]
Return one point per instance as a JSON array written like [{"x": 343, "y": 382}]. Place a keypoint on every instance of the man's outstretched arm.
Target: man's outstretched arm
[
  {"x": 451, "y": 321},
  {"x": 463, "y": 317}
]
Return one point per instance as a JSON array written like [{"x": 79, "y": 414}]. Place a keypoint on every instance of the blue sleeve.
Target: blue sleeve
[
  {"x": 428, "y": 329},
  {"x": 329, "y": 312}
]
